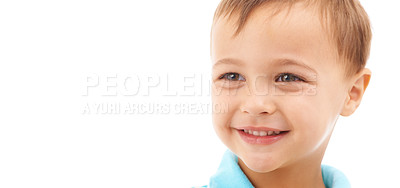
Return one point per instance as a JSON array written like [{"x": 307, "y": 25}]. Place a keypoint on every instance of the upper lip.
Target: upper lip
[{"x": 253, "y": 128}]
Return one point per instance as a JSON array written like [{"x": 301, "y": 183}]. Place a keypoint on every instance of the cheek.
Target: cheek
[
  {"x": 224, "y": 107},
  {"x": 303, "y": 113},
  {"x": 311, "y": 118}
]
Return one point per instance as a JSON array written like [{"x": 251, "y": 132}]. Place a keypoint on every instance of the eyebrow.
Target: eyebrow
[
  {"x": 228, "y": 61},
  {"x": 284, "y": 62},
  {"x": 287, "y": 62}
]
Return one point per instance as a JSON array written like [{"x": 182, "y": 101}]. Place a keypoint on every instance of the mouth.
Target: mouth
[
  {"x": 262, "y": 133},
  {"x": 263, "y": 136}
]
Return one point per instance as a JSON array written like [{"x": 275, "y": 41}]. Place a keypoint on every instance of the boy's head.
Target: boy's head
[{"x": 288, "y": 66}]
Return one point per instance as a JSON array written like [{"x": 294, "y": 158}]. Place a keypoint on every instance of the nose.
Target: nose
[{"x": 258, "y": 105}]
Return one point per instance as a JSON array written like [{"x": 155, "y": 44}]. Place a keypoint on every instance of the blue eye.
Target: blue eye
[
  {"x": 287, "y": 77},
  {"x": 232, "y": 76}
]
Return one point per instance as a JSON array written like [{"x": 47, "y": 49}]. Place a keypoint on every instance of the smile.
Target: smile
[
  {"x": 263, "y": 137},
  {"x": 262, "y": 133}
]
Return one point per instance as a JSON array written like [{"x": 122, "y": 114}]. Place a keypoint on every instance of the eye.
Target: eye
[
  {"x": 287, "y": 77},
  {"x": 232, "y": 76}
]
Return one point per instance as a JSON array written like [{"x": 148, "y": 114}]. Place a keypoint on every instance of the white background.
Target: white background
[{"x": 49, "y": 48}]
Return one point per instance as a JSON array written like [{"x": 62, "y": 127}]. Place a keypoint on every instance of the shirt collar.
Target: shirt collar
[{"x": 230, "y": 175}]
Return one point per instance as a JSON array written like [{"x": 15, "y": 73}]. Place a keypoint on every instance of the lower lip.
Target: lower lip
[{"x": 263, "y": 140}]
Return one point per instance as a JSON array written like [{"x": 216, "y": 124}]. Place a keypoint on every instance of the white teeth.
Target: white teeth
[{"x": 262, "y": 133}]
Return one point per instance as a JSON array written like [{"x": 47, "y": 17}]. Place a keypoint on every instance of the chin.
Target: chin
[{"x": 260, "y": 164}]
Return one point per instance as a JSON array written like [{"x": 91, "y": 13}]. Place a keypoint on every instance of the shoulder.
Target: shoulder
[{"x": 334, "y": 178}]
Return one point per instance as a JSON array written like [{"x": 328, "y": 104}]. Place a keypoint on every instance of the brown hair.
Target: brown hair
[{"x": 346, "y": 20}]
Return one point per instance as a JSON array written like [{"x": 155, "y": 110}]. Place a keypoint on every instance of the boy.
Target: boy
[{"x": 287, "y": 69}]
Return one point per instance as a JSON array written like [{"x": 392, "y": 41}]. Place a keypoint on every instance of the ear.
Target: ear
[{"x": 357, "y": 88}]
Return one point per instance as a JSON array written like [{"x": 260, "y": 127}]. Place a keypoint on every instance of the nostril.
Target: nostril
[{"x": 257, "y": 111}]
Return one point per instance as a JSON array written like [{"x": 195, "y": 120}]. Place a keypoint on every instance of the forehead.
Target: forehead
[{"x": 295, "y": 33}]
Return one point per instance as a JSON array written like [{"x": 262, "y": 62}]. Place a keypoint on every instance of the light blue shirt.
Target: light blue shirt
[{"x": 230, "y": 175}]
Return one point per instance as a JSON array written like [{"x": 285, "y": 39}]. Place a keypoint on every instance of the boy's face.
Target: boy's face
[{"x": 284, "y": 75}]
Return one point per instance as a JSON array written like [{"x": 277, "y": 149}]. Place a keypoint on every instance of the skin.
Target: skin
[{"x": 258, "y": 96}]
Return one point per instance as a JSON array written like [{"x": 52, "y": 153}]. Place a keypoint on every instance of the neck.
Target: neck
[
  {"x": 305, "y": 172},
  {"x": 299, "y": 175}
]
